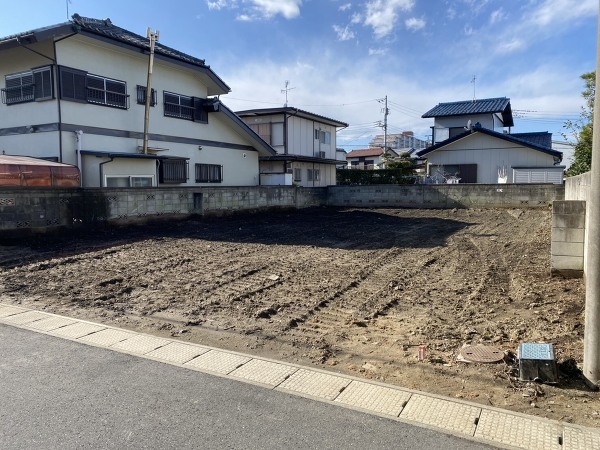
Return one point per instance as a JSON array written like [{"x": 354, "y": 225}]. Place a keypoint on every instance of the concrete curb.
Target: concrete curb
[{"x": 464, "y": 419}]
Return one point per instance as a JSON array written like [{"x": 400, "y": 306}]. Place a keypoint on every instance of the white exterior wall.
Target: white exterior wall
[
  {"x": 489, "y": 153},
  {"x": 240, "y": 167}
]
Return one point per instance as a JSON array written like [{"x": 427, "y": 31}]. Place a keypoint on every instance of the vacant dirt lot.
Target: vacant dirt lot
[{"x": 355, "y": 291}]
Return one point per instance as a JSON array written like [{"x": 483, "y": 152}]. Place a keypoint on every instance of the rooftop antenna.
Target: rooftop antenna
[
  {"x": 286, "y": 90},
  {"x": 67, "y": 2},
  {"x": 473, "y": 81}
]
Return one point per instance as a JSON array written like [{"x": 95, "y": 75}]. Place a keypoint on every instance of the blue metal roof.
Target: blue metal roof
[{"x": 471, "y": 107}]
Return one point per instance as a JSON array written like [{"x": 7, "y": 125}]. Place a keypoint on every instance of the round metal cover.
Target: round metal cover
[{"x": 482, "y": 354}]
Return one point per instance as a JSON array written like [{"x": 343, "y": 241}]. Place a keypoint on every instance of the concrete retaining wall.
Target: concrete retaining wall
[
  {"x": 568, "y": 236},
  {"x": 447, "y": 196},
  {"x": 28, "y": 209},
  {"x": 578, "y": 187},
  {"x": 46, "y": 208}
]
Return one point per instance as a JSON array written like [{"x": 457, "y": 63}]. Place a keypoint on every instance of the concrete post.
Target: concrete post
[{"x": 591, "y": 340}]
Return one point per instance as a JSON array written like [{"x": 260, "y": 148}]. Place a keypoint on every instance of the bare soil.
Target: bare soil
[{"x": 349, "y": 290}]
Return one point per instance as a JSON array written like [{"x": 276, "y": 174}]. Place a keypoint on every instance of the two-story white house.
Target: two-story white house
[
  {"x": 473, "y": 143},
  {"x": 305, "y": 144},
  {"x": 76, "y": 93}
]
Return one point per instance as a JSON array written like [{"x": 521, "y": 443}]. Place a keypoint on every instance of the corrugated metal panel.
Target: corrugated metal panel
[{"x": 538, "y": 175}]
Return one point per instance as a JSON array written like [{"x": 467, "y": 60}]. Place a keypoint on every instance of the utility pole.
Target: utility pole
[
  {"x": 286, "y": 90},
  {"x": 153, "y": 36},
  {"x": 591, "y": 336},
  {"x": 385, "y": 112}
]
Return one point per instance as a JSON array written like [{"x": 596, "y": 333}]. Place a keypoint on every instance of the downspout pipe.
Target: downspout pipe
[{"x": 112, "y": 158}]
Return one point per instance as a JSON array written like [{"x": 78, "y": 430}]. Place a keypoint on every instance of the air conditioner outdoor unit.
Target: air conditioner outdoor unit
[
  {"x": 321, "y": 154},
  {"x": 289, "y": 170}
]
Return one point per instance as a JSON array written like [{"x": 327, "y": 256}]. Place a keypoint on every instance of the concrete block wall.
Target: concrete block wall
[
  {"x": 568, "y": 238},
  {"x": 446, "y": 196},
  {"x": 578, "y": 187}
]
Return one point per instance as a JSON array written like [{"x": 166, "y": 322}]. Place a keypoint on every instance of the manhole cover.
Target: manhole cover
[{"x": 481, "y": 354}]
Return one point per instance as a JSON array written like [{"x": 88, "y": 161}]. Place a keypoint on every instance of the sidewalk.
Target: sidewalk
[{"x": 463, "y": 419}]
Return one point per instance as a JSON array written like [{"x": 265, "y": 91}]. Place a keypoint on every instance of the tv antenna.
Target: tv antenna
[
  {"x": 473, "y": 81},
  {"x": 286, "y": 90}
]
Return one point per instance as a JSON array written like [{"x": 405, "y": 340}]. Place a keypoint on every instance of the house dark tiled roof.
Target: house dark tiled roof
[
  {"x": 107, "y": 29},
  {"x": 482, "y": 106},
  {"x": 542, "y": 138}
]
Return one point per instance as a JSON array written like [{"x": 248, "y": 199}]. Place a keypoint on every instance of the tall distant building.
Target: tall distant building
[{"x": 400, "y": 143}]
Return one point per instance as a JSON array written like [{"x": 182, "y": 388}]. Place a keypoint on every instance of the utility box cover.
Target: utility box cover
[{"x": 537, "y": 363}]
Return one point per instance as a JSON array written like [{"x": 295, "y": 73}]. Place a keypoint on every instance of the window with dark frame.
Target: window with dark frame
[
  {"x": 179, "y": 106},
  {"x": 32, "y": 85},
  {"x": 78, "y": 85},
  {"x": 297, "y": 174},
  {"x": 141, "y": 96},
  {"x": 209, "y": 173},
  {"x": 173, "y": 171}
]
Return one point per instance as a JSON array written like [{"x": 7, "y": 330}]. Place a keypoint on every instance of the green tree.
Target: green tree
[{"x": 582, "y": 129}]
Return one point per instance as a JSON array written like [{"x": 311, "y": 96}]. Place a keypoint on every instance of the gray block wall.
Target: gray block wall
[{"x": 568, "y": 238}]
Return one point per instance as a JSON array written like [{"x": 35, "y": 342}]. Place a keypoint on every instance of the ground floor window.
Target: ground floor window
[
  {"x": 297, "y": 174},
  {"x": 209, "y": 173},
  {"x": 313, "y": 174},
  {"x": 128, "y": 181},
  {"x": 173, "y": 171}
]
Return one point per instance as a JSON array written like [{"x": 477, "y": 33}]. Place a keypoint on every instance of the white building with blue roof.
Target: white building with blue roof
[{"x": 472, "y": 143}]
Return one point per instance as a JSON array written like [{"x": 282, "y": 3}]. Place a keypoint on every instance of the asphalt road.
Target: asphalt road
[{"x": 56, "y": 394}]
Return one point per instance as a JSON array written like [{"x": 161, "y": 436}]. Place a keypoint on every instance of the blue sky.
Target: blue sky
[{"x": 341, "y": 57}]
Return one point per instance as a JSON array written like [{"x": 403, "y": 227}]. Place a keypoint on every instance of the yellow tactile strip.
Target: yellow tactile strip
[
  {"x": 264, "y": 372},
  {"x": 177, "y": 353},
  {"x": 446, "y": 414},
  {"x": 218, "y": 362},
  {"x": 519, "y": 431},
  {"x": 493, "y": 426},
  {"x": 315, "y": 384},
  {"x": 379, "y": 399},
  {"x": 578, "y": 438},
  {"x": 106, "y": 337}
]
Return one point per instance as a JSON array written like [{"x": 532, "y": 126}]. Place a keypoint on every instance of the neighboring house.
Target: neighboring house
[
  {"x": 340, "y": 155},
  {"x": 404, "y": 142},
  {"x": 75, "y": 93},
  {"x": 369, "y": 158},
  {"x": 305, "y": 145},
  {"x": 472, "y": 145}
]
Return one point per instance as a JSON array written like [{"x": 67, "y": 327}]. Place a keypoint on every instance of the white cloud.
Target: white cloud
[
  {"x": 345, "y": 7},
  {"x": 344, "y": 33},
  {"x": 259, "y": 9},
  {"x": 414, "y": 24},
  {"x": 356, "y": 18},
  {"x": 497, "y": 16},
  {"x": 511, "y": 46},
  {"x": 377, "y": 51},
  {"x": 551, "y": 12},
  {"x": 382, "y": 15}
]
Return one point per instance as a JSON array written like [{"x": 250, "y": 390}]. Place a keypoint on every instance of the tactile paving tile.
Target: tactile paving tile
[
  {"x": 316, "y": 384},
  {"x": 6, "y": 311},
  {"x": 219, "y": 362},
  {"x": 440, "y": 413},
  {"x": 177, "y": 353},
  {"x": 50, "y": 323},
  {"x": 106, "y": 337},
  {"x": 379, "y": 399},
  {"x": 25, "y": 318},
  {"x": 264, "y": 372},
  {"x": 581, "y": 439},
  {"x": 77, "y": 330},
  {"x": 140, "y": 344},
  {"x": 518, "y": 431}
]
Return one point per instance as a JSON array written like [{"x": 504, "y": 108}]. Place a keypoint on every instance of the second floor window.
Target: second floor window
[
  {"x": 185, "y": 107},
  {"x": 32, "y": 85},
  {"x": 141, "y": 95},
  {"x": 77, "y": 85}
]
